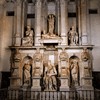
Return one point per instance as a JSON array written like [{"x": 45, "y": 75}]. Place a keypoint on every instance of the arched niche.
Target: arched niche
[
  {"x": 50, "y": 8},
  {"x": 74, "y": 71},
  {"x": 27, "y": 71}
]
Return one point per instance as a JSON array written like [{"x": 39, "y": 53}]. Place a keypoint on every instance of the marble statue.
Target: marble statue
[
  {"x": 51, "y": 21},
  {"x": 26, "y": 73},
  {"x": 85, "y": 55},
  {"x": 73, "y": 36},
  {"x": 49, "y": 78},
  {"x": 74, "y": 72},
  {"x": 50, "y": 34},
  {"x": 28, "y": 39}
]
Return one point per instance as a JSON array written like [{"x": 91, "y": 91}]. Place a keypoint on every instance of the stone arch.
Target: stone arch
[{"x": 27, "y": 71}]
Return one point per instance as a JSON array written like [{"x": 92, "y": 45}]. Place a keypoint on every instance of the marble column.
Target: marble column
[
  {"x": 37, "y": 22},
  {"x": 44, "y": 17},
  {"x": 1, "y": 26},
  {"x": 64, "y": 21},
  {"x": 24, "y": 15},
  {"x": 29, "y": 11},
  {"x": 83, "y": 22},
  {"x": 79, "y": 21},
  {"x": 58, "y": 17},
  {"x": 17, "y": 23}
]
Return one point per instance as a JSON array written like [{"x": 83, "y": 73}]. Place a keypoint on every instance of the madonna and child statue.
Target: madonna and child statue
[{"x": 50, "y": 28}]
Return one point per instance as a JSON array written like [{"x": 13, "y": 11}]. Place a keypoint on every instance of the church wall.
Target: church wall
[
  {"x": 94, "y": 29},
  {"x": 6, "y": 39}
]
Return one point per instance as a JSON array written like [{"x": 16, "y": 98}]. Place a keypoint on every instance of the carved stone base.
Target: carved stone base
[
  {"x": 84, "y": 40},
  {"x": 87, "y": 83},
  {"x": 17, "y": 41},
  {"x": 56, "y": 40},
  {"x": 14, "y": 83},
  {"x": 64, "y": 84},
  {"x": 36, "y": 84}
]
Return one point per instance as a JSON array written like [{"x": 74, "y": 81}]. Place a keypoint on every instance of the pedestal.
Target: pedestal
[
  {"x": 17, "y": 41},
  {"x": 84, "y": 40},
  {"x": 87, "y": 83},
  {"x": 14, "y": 82},
  {"x": 36, "y": 84},
  {"x": 13, "y": 90},
  {"x": 55, "y": 40},
  {"x": 64, "y": 84}
]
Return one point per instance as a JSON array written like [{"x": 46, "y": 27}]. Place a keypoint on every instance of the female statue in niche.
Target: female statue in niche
[
  {"x": 27, "y": 73},
  {"x": 49, "y": 78},
  {"x": 73, "y": 36},
  {"x": 28, "y": 39},
  {"x": 74, "y": 68}
]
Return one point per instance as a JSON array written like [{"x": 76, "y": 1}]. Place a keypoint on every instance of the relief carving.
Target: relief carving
[
  {"x": 15, "y": 63},
  {"x": 17, "y": 56},
  {"x": 85, "y": 56},
  {"x": 37, "y": 63},
  {"x": 63, "y": 56}
]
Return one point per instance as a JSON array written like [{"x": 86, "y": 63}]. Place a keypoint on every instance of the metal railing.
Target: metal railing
[
  {"x": 15, "y": 94},
  {"x": 3, "y": 94}
]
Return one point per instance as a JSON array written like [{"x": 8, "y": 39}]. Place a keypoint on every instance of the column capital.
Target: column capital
[
  {"x": 83, "y": 2},
  {"x": 18, "y": 2},
  {"x": 37, "y": 2},
  {"x": 63, "y": 1}
]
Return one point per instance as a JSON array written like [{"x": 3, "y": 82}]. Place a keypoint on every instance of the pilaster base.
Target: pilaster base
[
  {"x": 64, "y": 40},
  {"x": 14, "y": 83},
  {"x": 84, "y": 40},
  {"x": 64, "y": 84},
  {"x": 17, "y": 41},
  {"x": 36, "y": 84},
  {"x": 37, "y": 43},
  {"x": 87, "y": 83}
]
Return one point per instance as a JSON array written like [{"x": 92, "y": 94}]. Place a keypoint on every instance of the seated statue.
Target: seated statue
[
  {"x": 49, "y": 78},
  {"x": 28, "y": 39}
]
